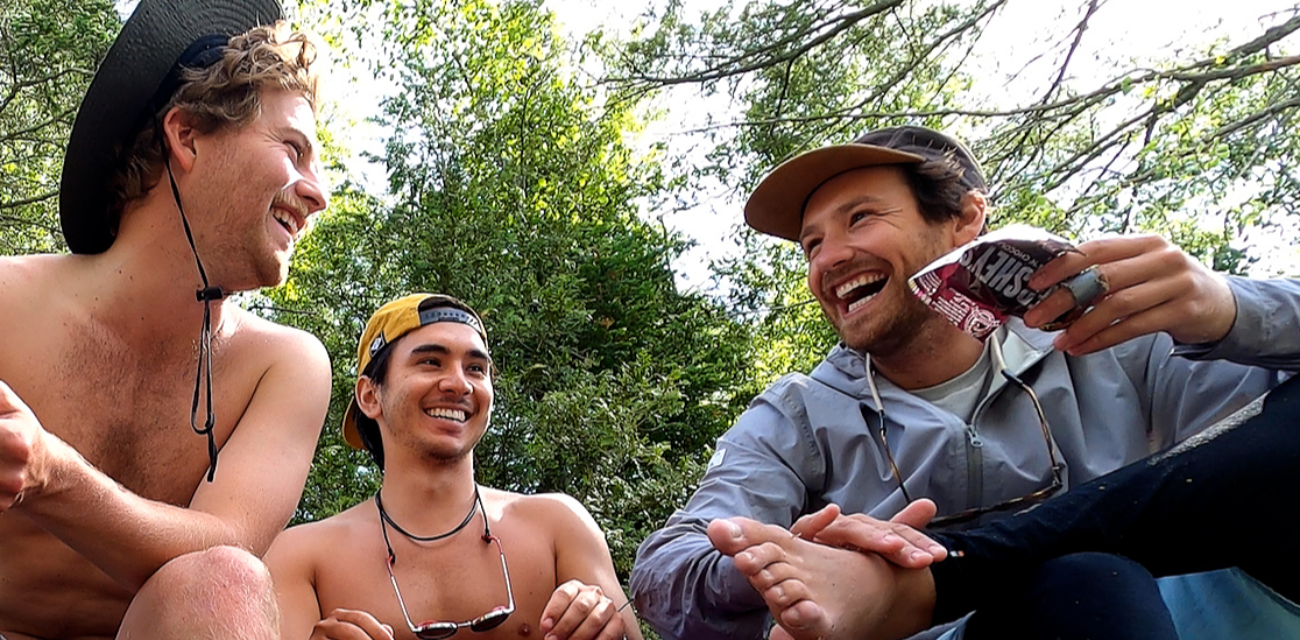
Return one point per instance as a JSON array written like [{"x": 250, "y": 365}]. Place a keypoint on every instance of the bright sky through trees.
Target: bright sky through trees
[{"x": 1007, "y": 67}]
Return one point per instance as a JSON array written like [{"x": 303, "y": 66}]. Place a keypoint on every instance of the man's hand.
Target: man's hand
[
  {"x": 819, "y": 592},
  {"x": 346, "y": 624},
  {"x": 578, "y": 611},
  {"x": 1154, "y": 286},
  {"x": 897, "y": 540},
  {"x": 22, "y": 450}
]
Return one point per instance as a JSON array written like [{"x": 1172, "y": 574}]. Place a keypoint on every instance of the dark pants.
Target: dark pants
[{"x": 1225, "y": 498}]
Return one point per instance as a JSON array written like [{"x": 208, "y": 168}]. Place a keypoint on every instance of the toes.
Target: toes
[
  {"x": 782, "y": 595},
  {"x": 733, "y": 535},
  {"x": 755, "y": 559},
  {"x": 726, "y": 536},
  {"x": 805, "y": 620}
]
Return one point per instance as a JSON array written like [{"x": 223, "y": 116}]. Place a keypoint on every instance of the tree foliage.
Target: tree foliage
[
  {"x": 512, "y": 187},
  {"x": 48, "y": 52},
  {"x": 514, "y": 182},
  {"x": 1194, "y": 146}
]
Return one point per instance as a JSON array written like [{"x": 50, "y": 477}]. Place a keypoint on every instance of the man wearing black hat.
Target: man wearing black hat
[
  {"x": 435, "y": 552},
  {"x": 127, "y": 374},
  {"x": 908, "y": 406}
]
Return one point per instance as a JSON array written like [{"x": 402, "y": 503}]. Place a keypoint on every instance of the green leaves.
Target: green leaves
[
  {"x": 512, "y": 187},
  {"x": 48, "y": 52}
]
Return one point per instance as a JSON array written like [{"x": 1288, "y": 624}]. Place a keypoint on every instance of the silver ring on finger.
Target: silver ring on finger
[{"x": 1088, "y": 286}]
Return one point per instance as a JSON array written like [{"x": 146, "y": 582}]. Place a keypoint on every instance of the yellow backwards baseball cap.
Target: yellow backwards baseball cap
[{"x": 394, "y": 320}]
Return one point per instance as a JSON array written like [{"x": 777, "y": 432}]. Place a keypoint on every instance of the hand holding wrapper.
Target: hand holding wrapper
[{"x": 978, "y": 285}]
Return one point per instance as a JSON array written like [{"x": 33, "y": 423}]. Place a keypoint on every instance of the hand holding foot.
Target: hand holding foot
[
  {"x": 896, "y": 540},
  {"x": 817, "y": 592}
]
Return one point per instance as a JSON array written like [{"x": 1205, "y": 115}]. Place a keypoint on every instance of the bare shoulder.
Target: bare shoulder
[
  {"x": 33, "y": 293},
  {"x": 283, "y": 343},
  {"x": 31, "y": 277},
  {"x": 559, "y": 512},
  {"x": 281, "y": 360},
  {"x": 313, "y": 542},
  {"x": 15, "y": 268}
]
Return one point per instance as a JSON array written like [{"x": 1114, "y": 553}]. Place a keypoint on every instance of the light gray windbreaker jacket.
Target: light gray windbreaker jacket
[{"x": 803, "y": 444}]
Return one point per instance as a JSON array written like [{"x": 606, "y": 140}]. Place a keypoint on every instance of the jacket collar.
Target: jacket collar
[{"x": 846, "y": 369}]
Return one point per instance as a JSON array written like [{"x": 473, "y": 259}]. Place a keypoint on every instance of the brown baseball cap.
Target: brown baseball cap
[{"x": 776, "y": 207}]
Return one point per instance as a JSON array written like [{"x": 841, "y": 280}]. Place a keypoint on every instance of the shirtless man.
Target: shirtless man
[
  {"x": 107, "y": 525},
  {"x": 433, "y": 545}
]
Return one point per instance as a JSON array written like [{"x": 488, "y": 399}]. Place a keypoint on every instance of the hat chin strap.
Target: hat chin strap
[{"x": 206, "y": 295}]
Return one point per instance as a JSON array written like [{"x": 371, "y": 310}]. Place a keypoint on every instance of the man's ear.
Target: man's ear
[
  {"x": 180, "y": 134},
  {"x": 974, "y": 214},
  {"x": 367, "y": 394}
]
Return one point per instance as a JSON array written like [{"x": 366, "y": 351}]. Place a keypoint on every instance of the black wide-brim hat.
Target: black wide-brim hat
[{"x": 119, "y": 101}]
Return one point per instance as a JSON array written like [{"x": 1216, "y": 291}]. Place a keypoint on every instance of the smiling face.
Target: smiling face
[
  {"x": 257, "y": 186},
  {"x": 437, "y": 396},
  {"x": 864, "y": 236}
]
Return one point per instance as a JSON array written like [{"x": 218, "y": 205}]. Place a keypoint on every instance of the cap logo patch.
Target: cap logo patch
[{"x": 377, "y": 344}]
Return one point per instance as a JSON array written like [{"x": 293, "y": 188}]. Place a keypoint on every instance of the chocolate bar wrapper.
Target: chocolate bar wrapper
[{"x": 980, "y": 284}]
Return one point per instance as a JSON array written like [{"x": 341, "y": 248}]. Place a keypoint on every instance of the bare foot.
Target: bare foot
[{"x": 816, "y": 592}]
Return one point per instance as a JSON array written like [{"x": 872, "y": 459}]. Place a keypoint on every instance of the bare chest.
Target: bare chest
[
  {"x": 457, "y": 582},
  {"x": 127, "y": 408}
]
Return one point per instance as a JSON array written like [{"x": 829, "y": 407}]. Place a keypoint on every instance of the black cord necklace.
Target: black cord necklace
[
  {"x": 207, "y": 295},
  {"x": 477, "y": 505}
]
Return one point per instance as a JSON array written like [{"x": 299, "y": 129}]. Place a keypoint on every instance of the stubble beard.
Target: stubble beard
[
  {"x": 889, "y": 334},
  {"x": 445, "y": 457},
  {"x": 262, "y": 266},
  {"x": 898, "y": 328}
]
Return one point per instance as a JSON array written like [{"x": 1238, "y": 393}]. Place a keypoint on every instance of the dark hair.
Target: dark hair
[
  {"x": 377, "y": 371},
  {"x": 367, "y": 427},
  {"x": 938, "y": 184}
]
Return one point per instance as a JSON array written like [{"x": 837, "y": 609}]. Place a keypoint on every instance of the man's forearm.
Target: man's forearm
[
  {"x": 685, "y": 589},
  {"x": 125, "y": 535}
]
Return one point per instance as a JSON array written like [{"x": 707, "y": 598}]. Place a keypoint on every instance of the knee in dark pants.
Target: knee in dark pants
[{"x": 1083, "y": 596}]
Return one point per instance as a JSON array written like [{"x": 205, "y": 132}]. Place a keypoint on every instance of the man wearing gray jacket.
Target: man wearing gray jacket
[{"x": 907, "y": 406}]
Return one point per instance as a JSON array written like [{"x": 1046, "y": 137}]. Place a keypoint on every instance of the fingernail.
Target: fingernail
[
  {"x": 890, "y": 538},
  {"x": 919, "y": 555},
  {"x": 732, "y": 528},
  {"x": 936, "y": 550}
]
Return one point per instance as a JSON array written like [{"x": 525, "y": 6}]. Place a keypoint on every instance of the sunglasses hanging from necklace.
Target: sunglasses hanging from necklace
[{"x": 441, "y": 629}]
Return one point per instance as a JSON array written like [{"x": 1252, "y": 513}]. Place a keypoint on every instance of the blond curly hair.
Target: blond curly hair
[{"x": 224, "y": 94}]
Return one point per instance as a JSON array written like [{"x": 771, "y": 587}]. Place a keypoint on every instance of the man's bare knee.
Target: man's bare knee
[
  {"x": 223, "y": 592},
  {"x": 218, "y": 572}
]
